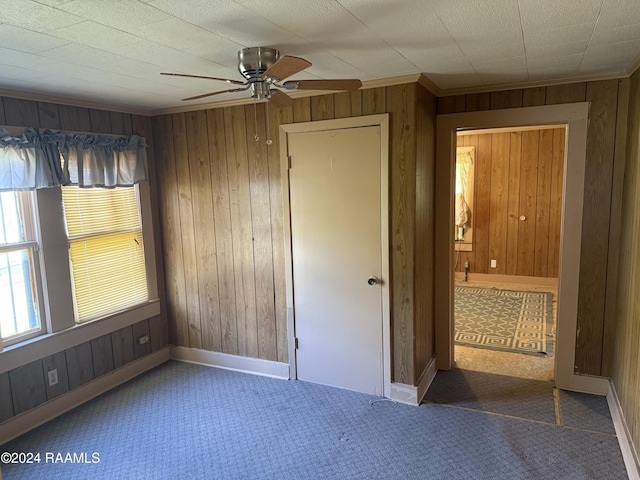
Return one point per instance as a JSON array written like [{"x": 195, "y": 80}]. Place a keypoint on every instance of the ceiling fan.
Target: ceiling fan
[{"x": 264, "y": 68}]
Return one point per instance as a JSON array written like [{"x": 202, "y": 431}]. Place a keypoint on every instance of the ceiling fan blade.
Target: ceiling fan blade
[
  {"x": 279, "y": 99},
  {"x": 214, "y": 93},
  {"x": 285, "y": 67},
  {"x": 343, "y": 84},
  {"x": 227, "y": 80}
]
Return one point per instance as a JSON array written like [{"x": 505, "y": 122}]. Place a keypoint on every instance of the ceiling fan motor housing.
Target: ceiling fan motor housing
[{"x": 254, "y": 61}]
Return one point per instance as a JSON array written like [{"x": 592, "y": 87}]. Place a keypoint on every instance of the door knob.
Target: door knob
[{"x": 372, "y": 281}]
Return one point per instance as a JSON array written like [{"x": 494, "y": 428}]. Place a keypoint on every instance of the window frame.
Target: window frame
[
  {"x": 59, "y": 329},
  {"x": 31, "y": 221}
]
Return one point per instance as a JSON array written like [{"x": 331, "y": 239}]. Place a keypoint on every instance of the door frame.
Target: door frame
[
  {"x": 575, "y": 117},
  {"x": 381, "y": 120}
]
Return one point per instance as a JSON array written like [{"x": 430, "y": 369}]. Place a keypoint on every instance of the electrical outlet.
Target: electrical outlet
[
  {"x": 494, "y": 263},
  {"x": 53, "y": 377},
  {"x": 143, "y": 339}
]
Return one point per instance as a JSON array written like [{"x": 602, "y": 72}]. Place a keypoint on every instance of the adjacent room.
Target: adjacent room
[{"x": 338, "y": 239}]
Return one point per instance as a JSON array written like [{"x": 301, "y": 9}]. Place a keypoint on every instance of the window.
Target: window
[
  {"x": 20, "y": 316},
  {"x": 106, "y": 251}
]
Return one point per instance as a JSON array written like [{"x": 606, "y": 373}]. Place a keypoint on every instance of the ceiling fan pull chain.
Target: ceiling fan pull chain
[
  {"x": 269, "y": 141},
  {"x": 255, "y": 121}
]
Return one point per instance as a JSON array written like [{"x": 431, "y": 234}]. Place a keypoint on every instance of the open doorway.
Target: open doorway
[
  {"x": 575, "y": 117},
  {"x": 507, "y": 217}
]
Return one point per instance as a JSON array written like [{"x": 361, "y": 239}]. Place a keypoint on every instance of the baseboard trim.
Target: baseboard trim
[
  {"x": 49, "y": 410},
  {"x": 512, "y": 279},
  {"x": 256, "y": 366},
  {"x": 410, "y": 394},
  {"x": 629, "y": 452}
]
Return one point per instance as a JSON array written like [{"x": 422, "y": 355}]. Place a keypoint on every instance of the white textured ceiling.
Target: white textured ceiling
[{"x": 112, "y": 51}]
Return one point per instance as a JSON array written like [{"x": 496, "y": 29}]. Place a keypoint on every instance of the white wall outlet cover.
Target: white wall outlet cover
[
  {"x": 53, "y": 377},
  {"x": 494, "y": 264}
]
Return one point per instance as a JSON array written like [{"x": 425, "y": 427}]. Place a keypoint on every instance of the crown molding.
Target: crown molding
[
  {"x": 429, "y": 85},
  {"x": 635, "y": 65},
  {"x": 533, "y": 83},
  {"x": 72, "y": 102}
]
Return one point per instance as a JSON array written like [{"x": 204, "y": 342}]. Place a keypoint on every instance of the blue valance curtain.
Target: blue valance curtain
[{"x": 40, "y": 159}]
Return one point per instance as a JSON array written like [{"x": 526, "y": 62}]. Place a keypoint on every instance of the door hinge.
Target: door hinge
[
  {"x": 289, "y": 160},
  {"x": 295, "y": 343}
]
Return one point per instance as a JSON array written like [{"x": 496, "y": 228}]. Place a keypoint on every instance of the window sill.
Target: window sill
[{"x": 41, "y": 346}]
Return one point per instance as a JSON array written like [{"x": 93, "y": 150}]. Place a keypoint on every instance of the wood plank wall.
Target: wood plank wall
[
  {"x": 24, "y": 388},
  {"x": 517, "y": 173},
  {"x": 597, "y": 285},
  {"x": 222, "y": 221},
  {"x": 626, "y": 361}
]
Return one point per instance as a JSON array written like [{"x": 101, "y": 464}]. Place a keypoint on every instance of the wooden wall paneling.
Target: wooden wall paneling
[
  {"x": 543, "y": 205},
  {"x": 122, "y": 344},
  {"x": 120, "y": 123},
  {"x": 499, "y": 201},
  {"x": 79, "y": 365},
  {"x": 139, "y": 330},
  {"x": 452, "y": 104},
  {"x": 100, "y": 121},
  {"x": 482, "y": 204},
  {"x": 75, "y": 119},
  {"x": 3, "y": 120},
  {"x": 27, "y": 386},
  {"x": 240, "y": 200},
  {"x": 158, "y": 332},
  {"x": 603, "y": 96},
  {"x": 223, "y": 230},
  {"x": 302, "y": 110},
  {"x": 347, "y": 104},
  {"x": 506, "y": 99},
  {"x": 532, "y": 97},
  {"x": 478, "y": 101},
  {"x": 446, "y": 105},
  {"x": 206, "y": 264},
  {"x": 374, "y": 100},
  {"x": 6, "y": 401},
  {"x": 322, "y": 107},
  {"x": 513, "y": 202},
  {"x": 615, "y": 227},
  {"x": 567, "y": 93},
  {"x": 48, "y": 115},
  {"x": 424, "y": 231},
  {"x": 555, "y": 201},
  {"x": 401, "y": 105},
  {"x": 187, "y": 230},
  {"x": 528, "y": 192},
  {"x": 262, "y": 235},
  {"x": 57, "y": 361},
  {"x": 626, "y": 359},
  {"x": 171, "y": 234},
  {"x": 21, "y": 113},
  {"x": 102, "y": 354},
  {"x": 277, "y": 118}
]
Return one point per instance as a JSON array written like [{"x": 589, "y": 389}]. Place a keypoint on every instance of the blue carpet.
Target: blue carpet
[{"x": 187, "y": 421}]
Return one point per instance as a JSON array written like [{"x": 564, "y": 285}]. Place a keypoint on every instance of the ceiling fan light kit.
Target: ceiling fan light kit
[{"x": 263, "y": 68}]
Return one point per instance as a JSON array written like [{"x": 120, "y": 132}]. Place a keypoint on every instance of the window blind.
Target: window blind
[{"x": 106, "y": 250}]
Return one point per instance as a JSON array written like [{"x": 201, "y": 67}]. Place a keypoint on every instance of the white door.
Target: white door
[{"x": 336, "y": 252}]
